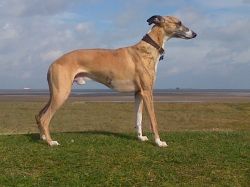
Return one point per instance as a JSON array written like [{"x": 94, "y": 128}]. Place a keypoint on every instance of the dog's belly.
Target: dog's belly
[
  {"x": 123, "y": 85},
  {"x": 118, "y": 85}
]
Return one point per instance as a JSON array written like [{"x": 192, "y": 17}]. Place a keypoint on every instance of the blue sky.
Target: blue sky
[{"x": 33, "y": 33}]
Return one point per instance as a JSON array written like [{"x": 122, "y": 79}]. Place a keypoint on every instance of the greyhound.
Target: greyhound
[{"x": 127, "y": 69}]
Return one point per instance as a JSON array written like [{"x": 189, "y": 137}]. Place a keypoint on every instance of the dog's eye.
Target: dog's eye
[{"x": 179, "y": 23}]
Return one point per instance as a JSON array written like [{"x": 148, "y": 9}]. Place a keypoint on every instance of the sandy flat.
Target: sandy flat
[{"x": 158, "y": 97}]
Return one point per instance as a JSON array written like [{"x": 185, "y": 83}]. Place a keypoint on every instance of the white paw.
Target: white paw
[
  {"x": 43, "y": 137},
  {"x": 143, "y": 138},
  {"x": 161, "y": 143},
  {"x": 54, "y": 143}
]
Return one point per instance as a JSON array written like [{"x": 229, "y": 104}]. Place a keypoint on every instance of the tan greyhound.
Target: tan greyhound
[{"x": 128, "y": 69}]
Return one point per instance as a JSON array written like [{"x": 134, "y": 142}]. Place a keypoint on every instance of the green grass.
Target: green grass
[
  {"x": 209, "y": 145},
  {"x": 113, "y": 159}
]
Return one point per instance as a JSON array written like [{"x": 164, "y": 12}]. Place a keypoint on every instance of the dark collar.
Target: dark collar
[{"x": 150, "y": 41}]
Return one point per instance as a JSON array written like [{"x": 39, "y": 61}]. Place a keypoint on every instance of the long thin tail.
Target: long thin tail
[{"x": 44, "y": 109}]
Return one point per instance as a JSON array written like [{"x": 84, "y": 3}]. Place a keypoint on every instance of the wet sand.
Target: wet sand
[{"x": 171, "y": 97}]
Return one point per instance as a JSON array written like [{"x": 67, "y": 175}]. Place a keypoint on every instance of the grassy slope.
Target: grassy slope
[
  {"x": 105, "y": 159},
  {"x": 116, "y": 158}
]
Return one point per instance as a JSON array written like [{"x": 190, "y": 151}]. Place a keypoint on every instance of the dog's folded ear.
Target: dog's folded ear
[{"x": 156, "y": 19}]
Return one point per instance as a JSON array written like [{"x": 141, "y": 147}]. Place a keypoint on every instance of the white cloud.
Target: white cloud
[
  {"x": 25, "y": 8},
  {"x": 246, "y": 1},
  {"x": 34, "y": 33},
  {"x": 173, "y": 71},
  {"x": 215, "y": 4},
  {"x": 8, "y": 32},
  {"x": 83, "y": 27},
  {"x": 242, "y": 57},
  {"x": 51, "y": 55},
  {"x": 30, "y": 41},
  {"x": 26, "y": 75}
]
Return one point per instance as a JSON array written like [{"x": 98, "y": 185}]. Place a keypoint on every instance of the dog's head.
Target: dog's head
[{"x": 172, "y": 26}]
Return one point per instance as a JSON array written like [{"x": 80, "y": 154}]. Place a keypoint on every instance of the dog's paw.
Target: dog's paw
[
  {"x": 54, "y": 143},
  {"x": 161, "y": 143},
  {"x": 43, "y": 137},
  {"x": 143, "y": 138}
]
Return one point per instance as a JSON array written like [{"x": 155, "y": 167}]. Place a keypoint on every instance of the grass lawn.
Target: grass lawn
[{"x": 209, "y": 144}]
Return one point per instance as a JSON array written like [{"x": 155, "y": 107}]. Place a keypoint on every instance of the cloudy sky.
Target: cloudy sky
[{"x": 33, "y": 33}]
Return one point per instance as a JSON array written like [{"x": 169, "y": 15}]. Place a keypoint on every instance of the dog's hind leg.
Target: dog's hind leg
[
  {"x": 56, "y": 102},
  {"x": 138, "y": 116},
  {"x": 60, "y": 87},
  {"x": 38, "y": 120}
]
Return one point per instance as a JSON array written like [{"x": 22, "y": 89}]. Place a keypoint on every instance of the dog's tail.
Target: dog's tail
[{"x": 43, "y": 110}]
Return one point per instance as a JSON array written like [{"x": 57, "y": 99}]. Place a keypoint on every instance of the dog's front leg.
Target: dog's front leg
[
  {"x": 138, "y": 117},
  {"x": 148, "y": 100}
]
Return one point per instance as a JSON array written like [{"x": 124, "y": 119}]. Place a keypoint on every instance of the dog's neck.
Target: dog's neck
[{"x": 158, "y": 35}]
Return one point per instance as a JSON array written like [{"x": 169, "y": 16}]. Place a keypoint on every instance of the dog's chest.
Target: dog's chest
[{"x": 123, "y": 85}]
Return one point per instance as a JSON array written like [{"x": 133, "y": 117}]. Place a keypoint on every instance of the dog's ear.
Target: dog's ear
[{"x": 156, "y": 20}]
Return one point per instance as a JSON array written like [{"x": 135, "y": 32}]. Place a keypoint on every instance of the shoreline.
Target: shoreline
[{"x": 167, "y": 96}]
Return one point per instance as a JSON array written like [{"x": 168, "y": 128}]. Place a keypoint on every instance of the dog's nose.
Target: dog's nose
[{"x": 194, "y": 34}]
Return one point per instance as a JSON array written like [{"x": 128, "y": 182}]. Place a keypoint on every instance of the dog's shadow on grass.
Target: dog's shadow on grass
[
  {"x": 35, "y": 136},
  {"x": 115, "y": 134}
]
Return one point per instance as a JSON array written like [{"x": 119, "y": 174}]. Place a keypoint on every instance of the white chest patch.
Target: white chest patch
[
  {"x": 156, "y": 64},
  {"x": 158, "y": 58}
]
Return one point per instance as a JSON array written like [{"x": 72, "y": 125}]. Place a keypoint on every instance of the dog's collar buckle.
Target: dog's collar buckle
[{"x": 150, "y": 41}]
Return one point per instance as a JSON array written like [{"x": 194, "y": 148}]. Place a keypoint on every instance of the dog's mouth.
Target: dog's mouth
[{"x": 185, "y": 35}]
